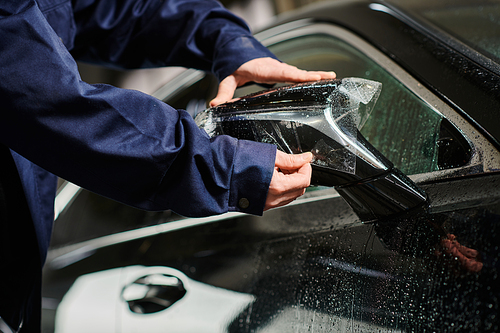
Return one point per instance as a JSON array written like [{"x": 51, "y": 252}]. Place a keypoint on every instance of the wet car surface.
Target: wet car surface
[{"x": 314, "y": 265}]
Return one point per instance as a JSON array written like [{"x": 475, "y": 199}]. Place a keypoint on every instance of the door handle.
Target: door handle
[{"x": 153, "y": 293}]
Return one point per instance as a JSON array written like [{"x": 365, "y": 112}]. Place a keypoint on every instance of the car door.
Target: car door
[{"x": 311, "y": 265}]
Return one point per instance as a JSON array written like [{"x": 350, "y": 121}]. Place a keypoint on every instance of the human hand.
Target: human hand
[
  {"x": 264, "y": 70},
  {"x": 291, "y": 177}
]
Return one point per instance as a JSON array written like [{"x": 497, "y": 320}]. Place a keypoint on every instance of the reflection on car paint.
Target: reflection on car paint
[{"x": 337, "y": 277}]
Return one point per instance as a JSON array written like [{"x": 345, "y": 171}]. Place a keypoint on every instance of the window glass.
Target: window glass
[
  {"x": 401, "y": 125},
  {"x": 194, "y": 98}
]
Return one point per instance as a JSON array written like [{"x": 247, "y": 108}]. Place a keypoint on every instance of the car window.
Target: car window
[
  {"x": 194, "y": 98},
  {"x": 402, "y": 126}
]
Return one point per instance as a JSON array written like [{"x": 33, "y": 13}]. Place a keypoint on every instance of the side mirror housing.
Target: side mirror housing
[{"x": 324, "y": 118}]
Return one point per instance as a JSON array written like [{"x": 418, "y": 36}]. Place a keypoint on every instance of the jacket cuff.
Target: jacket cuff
[
  {"x": 235, "y": 53},
  {"x": 252, "y": 172}
]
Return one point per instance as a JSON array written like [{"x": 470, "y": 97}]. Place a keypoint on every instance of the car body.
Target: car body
[{"x": 314, "y": 265}]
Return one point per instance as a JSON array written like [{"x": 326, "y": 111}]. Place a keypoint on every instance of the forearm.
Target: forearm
[
  {"x": 196, "y": 34},
  {"x": 122, "y": 144}
]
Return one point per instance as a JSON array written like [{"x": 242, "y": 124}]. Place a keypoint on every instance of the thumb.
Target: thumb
[
  {"x": 225, "y": 91},
  {"x": 292, "y": 162}
]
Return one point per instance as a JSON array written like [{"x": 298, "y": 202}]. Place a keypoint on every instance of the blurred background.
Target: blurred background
[{"x": 257, "y": 14}]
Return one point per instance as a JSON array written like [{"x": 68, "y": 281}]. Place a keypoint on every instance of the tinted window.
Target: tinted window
[
  {"x": 194, "y": 98},
  {"x": 401, "y": 126}
]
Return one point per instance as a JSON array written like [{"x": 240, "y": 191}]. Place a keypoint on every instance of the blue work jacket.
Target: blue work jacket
[{"x": 120, "y": 143}]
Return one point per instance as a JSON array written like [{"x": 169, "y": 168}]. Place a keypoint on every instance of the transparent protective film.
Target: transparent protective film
[
  {"x": 350, "y": 105},
  {"x": 322, "y": 117}
]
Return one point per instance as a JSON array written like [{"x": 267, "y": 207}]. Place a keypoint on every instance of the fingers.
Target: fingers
[
  {"x": 292, "y": 175},
  {"x": 292, "y": 162},
  {"x": 282, "y": 190},
  {"x": 273, "y": 71},
  {"x": 225, "y": 91},
  {"x": 287, "y": 73},
  {"x": 265, "y": 70}
]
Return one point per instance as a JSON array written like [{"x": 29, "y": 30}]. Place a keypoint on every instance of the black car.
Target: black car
[{"x": 318, "y": 265}]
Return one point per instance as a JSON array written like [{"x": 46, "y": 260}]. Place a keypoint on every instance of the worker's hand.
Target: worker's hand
[
  {"x": 291, "y": 177},
  {"x": 264, "y": 70}
]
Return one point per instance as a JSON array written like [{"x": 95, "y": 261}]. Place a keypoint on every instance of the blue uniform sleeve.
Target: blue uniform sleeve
[
  {"x": 122, "y": 144},
  {"x": 138, "y": 34}
]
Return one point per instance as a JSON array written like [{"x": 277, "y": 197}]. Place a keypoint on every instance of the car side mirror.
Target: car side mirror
[{"x": 324, "y": 118}]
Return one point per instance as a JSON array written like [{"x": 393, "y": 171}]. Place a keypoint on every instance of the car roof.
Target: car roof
[{"x": 467, "y": 78}]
